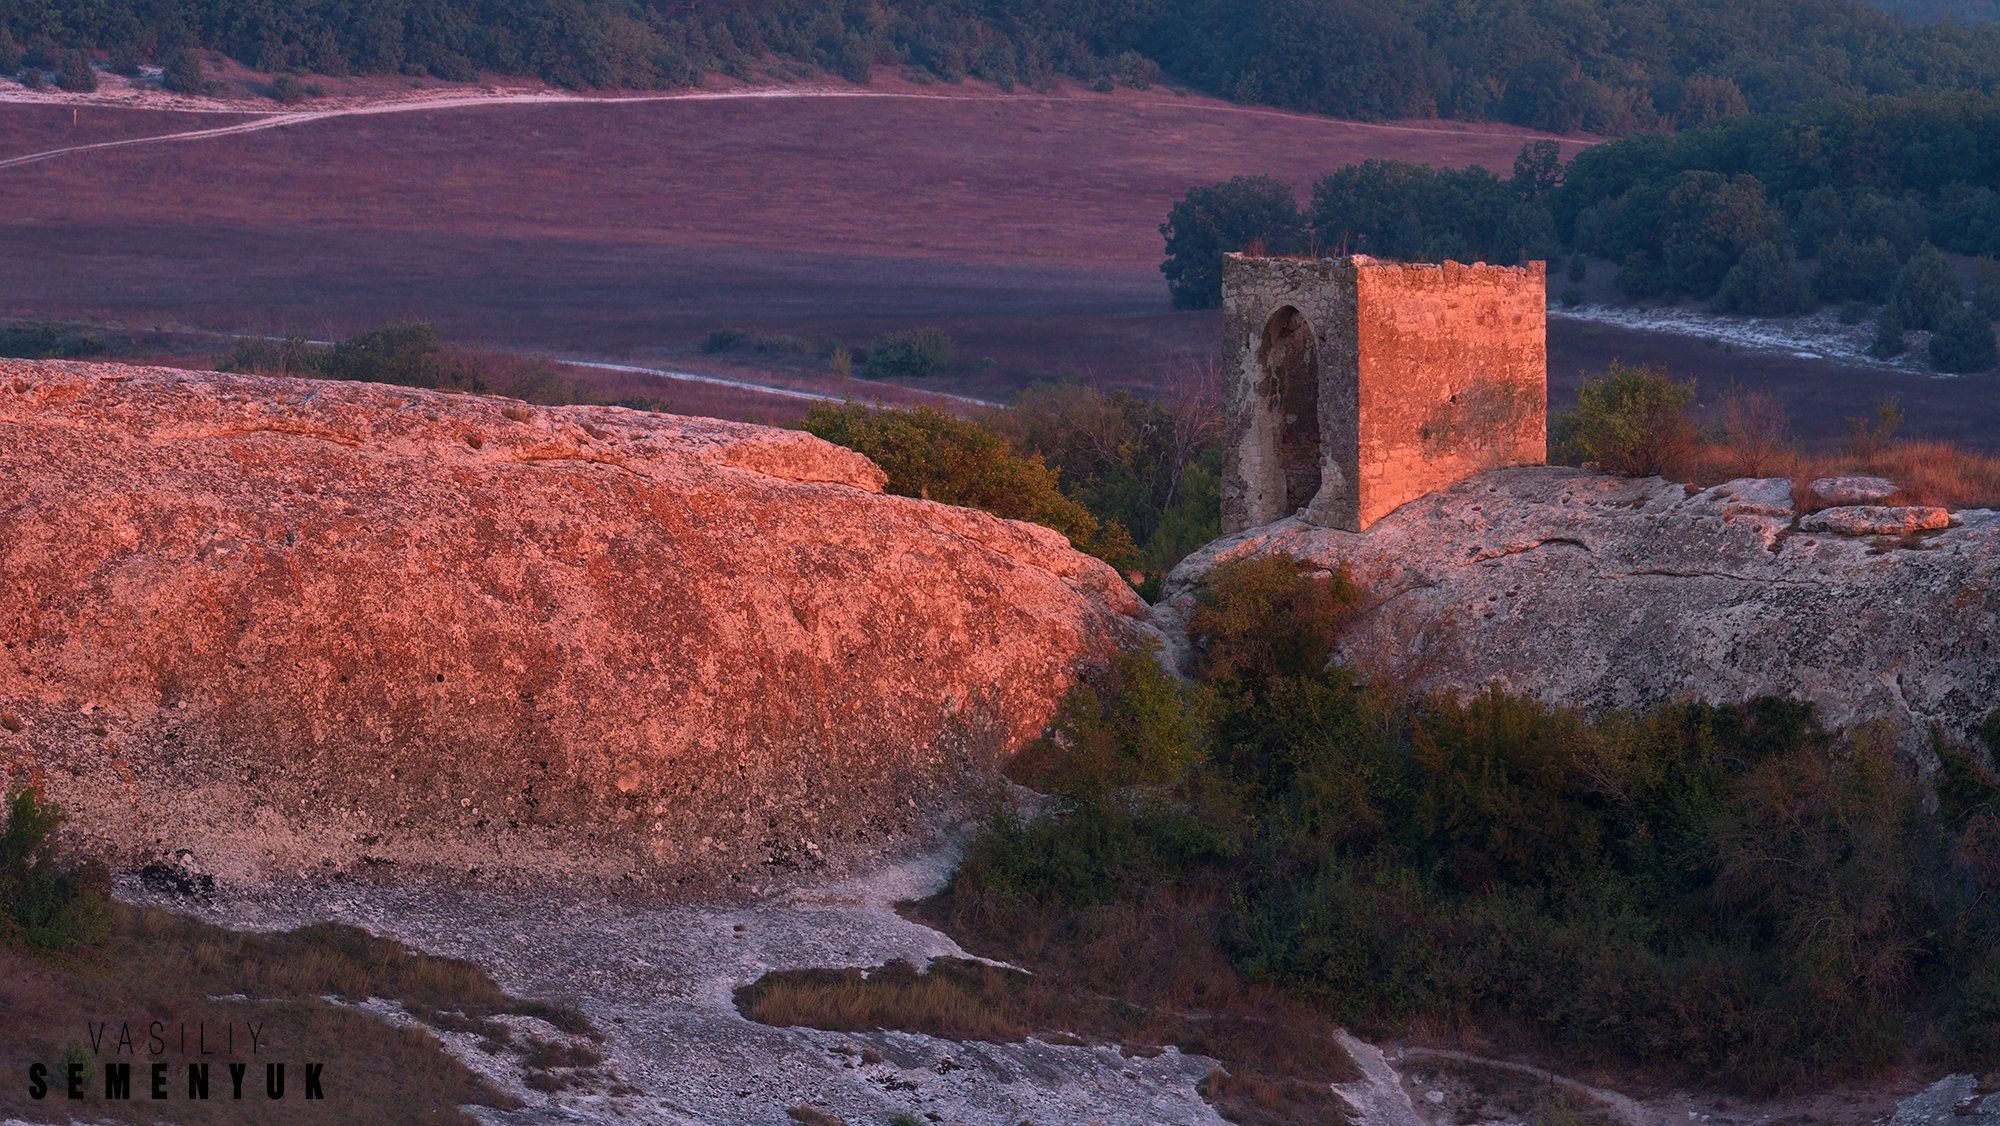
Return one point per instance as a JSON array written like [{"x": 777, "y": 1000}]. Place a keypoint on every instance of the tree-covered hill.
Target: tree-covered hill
[
  {"x": 1855, "y": 203},
  {"x": 1605, "y": 65}
]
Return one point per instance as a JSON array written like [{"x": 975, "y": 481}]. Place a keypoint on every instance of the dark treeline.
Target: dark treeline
[
  {"x": 1853, "y": 204},
  {"x": 1615, "y": 66}
]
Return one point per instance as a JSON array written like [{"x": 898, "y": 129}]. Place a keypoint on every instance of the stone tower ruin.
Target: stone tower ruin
[{"x": 1353, "y": 385}]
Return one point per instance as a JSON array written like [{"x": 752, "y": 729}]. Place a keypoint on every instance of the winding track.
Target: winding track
[
  {"x": 467, "y": 101},
  {"x": 525, "y": 98}
]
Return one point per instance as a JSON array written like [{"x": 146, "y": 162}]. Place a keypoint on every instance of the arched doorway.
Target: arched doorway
[{"x": 1289, "y": 360}]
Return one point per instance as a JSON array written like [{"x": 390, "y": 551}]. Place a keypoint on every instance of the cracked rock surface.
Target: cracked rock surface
[
  {"x": 289, "y": 625},
  {"x": 1611, "y": 592}
]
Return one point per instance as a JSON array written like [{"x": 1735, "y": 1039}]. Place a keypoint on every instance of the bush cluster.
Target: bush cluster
[
  {"x": 937, "y": 456},
  {"x": 50, "y": 340},
  {"x": 914, "y": 354},
  {"x": 1633, "y": 419},
  {"x": 1134, "y": 481},
  {"x": 1729, "y": 893},
  {"x": 48, "y": 901}
]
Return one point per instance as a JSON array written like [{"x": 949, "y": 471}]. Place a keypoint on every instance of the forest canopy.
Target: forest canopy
[
  {"x": 1854, "y": 204},
  {"x": 1613, "y": 66}
]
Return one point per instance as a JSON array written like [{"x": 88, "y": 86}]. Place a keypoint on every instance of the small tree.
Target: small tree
[
  {"x": 10, "y": 54},
  {"x": 1632, "y": 420},
  {"x": 1888, "y": 335},
  {"x": 32, "y": 79},
  {"x": 47, "y": 900},
  {"x": 42, "y": 54},
  {"x": 1137, "y": 71},
  {"x": 1963, "y": 342},
  {"x": 76, "y": 74},
  {"x": 183, "y": 74},
  {"x": 1766, "y": 280},
  {"x": 123, "y": 59},
  {"x": 1926, "y": 289},
  {"x": 1852, "y": 271},
  {"x": 1213, "y": 220},
  {"x": 286, "y": 89}
]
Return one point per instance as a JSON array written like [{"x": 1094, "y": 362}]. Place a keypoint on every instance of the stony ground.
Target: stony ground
[{"x": 658, "y": 979}]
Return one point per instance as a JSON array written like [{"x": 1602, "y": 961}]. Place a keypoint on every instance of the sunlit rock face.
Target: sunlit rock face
[
  {"x": 299, "y": 625},
  {"x": 1609, "y": 592}
]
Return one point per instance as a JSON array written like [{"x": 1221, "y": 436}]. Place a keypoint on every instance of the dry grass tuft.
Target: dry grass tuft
[
  {"x": 1926, "y": 471},
  {"x": 1146, "y": 974},
  {"x": 152, "y": 963}
]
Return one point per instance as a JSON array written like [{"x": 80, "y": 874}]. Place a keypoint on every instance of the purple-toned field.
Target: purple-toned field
[{"x": 1025, "y": 225}]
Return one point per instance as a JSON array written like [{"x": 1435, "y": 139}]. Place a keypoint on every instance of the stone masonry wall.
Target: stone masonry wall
[
  {"x": 1425, "y": 374},
  {"x": 1253, "y": 289},
  {"x": 1453, "y": 376}
]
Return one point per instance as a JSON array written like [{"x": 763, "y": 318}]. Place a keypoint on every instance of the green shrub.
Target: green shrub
[
  {"x": 10, "y": 54},
  {"x": 1267, "y": 617},
  {"x": 1986, "y": 293},
  {"x": 724, "y": 340},
  {"x": 47, "y": 900},
  {"x": 1869, "y": 434},
  {"x": 123, "y": 60},
  {"x": 1926, "y": 290},
  {"x": 410, "y": 355},
  {"x": 1889, "y": 335},
  {"x": 1130, "y": 725},
  {"x": 930, "y": 454},
  {"x": 49, "y": 340},
  {"x": 921, "y": 352},
  {"x": 1765, "y": 281},
  {"x": 1963, "y": 342},
  {"x": 1149, "y": 465},
  {"x": 76, "y": 75},
  {"x": 183, "y": 74},
  {"x": 32, "y": 79},
  {"x": 1137, "y": 71},
  {"x": 1632, "y": 420},
  {"x": 1851, "y": 271},
  {"x": 1731, "y": 893},
  {"x": 286, "y": 89},
  {"x": 41, "y": 53}
]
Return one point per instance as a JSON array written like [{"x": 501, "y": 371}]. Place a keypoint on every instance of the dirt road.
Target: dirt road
[{"x": 431, "y": 103}]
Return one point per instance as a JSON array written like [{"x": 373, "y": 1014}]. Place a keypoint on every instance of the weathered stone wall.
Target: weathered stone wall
[
  {"x": 1425, "y": 375},
  {"x": 1453, "y": 377},
  {"x": 1253, "y": 290}
]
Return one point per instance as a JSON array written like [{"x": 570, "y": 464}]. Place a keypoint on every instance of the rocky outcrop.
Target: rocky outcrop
[
  {"x": 1852, "y": 490},
  {"x": 290, "y": 624},
  {"x": 1611, "y": 592},
  {"x": 1877, "y": 520}
]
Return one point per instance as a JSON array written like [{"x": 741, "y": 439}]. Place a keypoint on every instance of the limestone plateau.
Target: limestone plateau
[
  {"x": 1611, "y": 592},
  {"x": 289, "y": 625}
]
